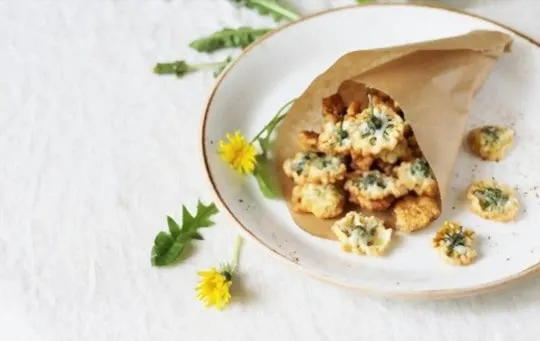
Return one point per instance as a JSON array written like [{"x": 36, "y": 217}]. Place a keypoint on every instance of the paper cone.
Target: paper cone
[{"x": 434, "y": 82}]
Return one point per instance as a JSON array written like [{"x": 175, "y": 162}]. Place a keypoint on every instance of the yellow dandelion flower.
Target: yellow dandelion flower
[
  {"x": 214, "y": 288},
  {"x": 238, "y": 153},
  {"x": 214, "y": 284}
]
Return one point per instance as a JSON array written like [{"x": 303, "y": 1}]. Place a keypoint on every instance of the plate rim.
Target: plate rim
[{"x": 405, "y": 294}]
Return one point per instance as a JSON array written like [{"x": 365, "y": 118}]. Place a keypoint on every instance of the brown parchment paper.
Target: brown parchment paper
[{"x": 434, "y": 82}]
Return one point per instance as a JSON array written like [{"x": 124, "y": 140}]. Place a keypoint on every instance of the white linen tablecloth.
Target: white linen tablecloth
[{"x": 96, "y": 151}]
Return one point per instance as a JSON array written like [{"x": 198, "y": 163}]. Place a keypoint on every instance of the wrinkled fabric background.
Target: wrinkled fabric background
[{"x": 96, "y": 151}]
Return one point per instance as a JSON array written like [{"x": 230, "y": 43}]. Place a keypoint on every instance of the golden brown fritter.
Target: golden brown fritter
[
  {"x": 491, "y": 142},
  {"x": 323, "y": 201},
  {"x": 308, "y": 140},
  {"x": 493, "y": 200},
  {"x": 334, "y": 138},
  {"x": 408, "y": 132},
  {"x": 412, "y": 213},
  {"x": 362, "y": 163},
  {"x": 375, "y": 205},
  {"x": 355, "y": 108},
  {"x": 373, "y": 185},
  {"x": 310, "y": 167},
  {"x": 417, "y": 176},
  {"x": 367, "y": 153},
  {"x": 379, "y": 97},
  {"x": 362, "y": 234},
  {"x": 400, "y": 153},
  {"x": 379, "y": 128},
  {"x": 455, "y": 243},
  {"x": 386, "y": 168},
  {"x": 333, "y": 108},
  {"x": 414, "y": 147}
]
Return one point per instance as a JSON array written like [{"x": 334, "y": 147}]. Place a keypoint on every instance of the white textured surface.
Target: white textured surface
[{"x": 96, "y": 151}]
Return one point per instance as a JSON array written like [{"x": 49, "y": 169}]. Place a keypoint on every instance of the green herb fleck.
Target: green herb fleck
[
  {"x": 386, "y": 133},
  {"x": 363, "y": 231},
  {"x": 322, "y": 161},
  {"x": 168, "y": 246},
  {"x": 491, "y": 134},
  {"x": 374, "y": 123},
  {"x": 420, "y": 167},
  {"x": 341, "y": 133},
  {"x": 298, "y": 166},
  {"x": 454, "y": 240},
  {"x": 491, "y": 197},
  {"x": 372, "y": 179}
]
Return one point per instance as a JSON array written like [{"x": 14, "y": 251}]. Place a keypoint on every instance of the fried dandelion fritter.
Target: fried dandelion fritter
[
  {"x": 333, "y": 108},
  {"x": 414, "y": 147},
  {"x": 311, "y": 167},
  {"x": 493, "y": 201},
  {"x": 373, "y": 190},
  {"x": 354, "y": 108},
  {"x": 379, "y": 97},
  {"x": 491, "y": 142},
  {"x": 362, "y": 234},
  {"x": 335, "y": 138},
  {"x": 374, "y": 185},
  {"x": 412, "y": 213},
  {"x": 400, "y": 153},
  {"x": 379, "y": 128},
  {"x": 407, "y": 131},
  {"x": 455, "y": 243},
  {"x": 417, "y": 176},
  {"x": 362, "y": 163},
  {"x": 385, "y": 167},
  {"x": 308, "y": 140},
  {"x": 323, "y": 201}
]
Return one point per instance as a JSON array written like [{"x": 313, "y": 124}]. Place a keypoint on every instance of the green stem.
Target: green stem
[
  {"x": 287, "y": 13},
  {"x": 236, "y": 254},
  {"x": 200, "y": 66},
  {"x": 181, "y": 68},
  {"x": 169, "y": 68},
  {"x": 272, "y": 121}
]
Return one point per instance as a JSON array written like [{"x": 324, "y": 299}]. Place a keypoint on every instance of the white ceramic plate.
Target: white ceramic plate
[{"x": 279, "y": 68}]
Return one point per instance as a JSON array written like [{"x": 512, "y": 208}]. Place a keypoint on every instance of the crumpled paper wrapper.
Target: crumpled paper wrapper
[{"x": 434, "y": 82}]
